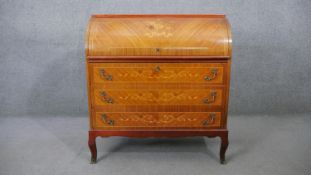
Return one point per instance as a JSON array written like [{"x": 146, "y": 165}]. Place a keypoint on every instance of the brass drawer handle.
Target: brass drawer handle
[
  {"x": 104, "y": 75},
  {"x": 157, "y": 69},
  {"x": 106, "y": 98},
  {"x": 209, "y": 121},
  {"x": 208, "y": 101},
  {"x": 214, "y": 73},
  {"x": 107, "y": 120}
]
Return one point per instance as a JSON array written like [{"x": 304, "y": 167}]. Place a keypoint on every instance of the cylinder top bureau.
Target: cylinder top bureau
[{"x": 158, "y": 76}]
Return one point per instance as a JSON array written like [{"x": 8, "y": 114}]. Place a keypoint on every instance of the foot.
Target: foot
[{"x": 93, "y": 160}]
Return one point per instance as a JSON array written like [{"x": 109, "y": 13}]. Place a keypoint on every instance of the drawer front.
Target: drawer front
[
  {"x": 158, "y": 72},
  {"x": 157, "y": 120},
  {"x": 212, "y": 96}
]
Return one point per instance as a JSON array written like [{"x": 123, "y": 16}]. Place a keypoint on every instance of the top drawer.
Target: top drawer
[{"x": 158, "y": 72}]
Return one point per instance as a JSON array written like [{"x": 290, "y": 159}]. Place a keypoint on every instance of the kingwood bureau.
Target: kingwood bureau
[{"x": 158, "y": 76}]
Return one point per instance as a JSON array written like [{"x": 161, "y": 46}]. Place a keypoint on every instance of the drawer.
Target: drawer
[
  {"x": 212, "y": 96},
  {"x": 158, "y": 72},
  {"x": 157, "y": 120}
]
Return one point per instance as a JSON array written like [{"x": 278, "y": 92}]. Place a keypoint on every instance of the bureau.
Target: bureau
[{"x": 158, "y": 76}]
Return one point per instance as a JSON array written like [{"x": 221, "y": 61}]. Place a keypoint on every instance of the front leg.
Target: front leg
[
  {"x": 224, "y": 146},
  {"x": 92, "y": 146}
]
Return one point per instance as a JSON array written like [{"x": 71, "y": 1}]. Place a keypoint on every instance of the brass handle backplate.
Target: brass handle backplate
[
  {"x": 210, "y": 120},
  {"x": 208, "y": 101},
  {"x": 105, "y": 97},
  {"x": 157, "y": 69},
  {"x": 104, "y": 75},
  {"x": 214, "y": 74},
  {"x": 107, "y": 120}
]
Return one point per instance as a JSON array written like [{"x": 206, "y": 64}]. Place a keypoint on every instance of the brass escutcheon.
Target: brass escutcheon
[{"x": 157, "y": 69}]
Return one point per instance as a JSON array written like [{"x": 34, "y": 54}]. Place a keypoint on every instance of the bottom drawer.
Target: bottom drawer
[{"x": 132, "y": 120}]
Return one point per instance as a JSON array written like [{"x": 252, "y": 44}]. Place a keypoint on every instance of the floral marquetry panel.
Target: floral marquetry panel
[
  {"x": 159, "y": 120},
  {"x": 158, "y": 72},
  {"x": 158, "y": 97}
]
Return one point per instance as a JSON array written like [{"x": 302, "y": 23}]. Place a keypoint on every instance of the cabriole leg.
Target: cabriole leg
[
  {"x": 223, "y": 147},
  {"x": 92, "y": 146}
]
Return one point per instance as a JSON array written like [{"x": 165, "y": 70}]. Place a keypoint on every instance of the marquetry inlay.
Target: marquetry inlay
[
  {"x": 158, "y": 97},
  {"x": 159, "y": 72},
  {"x": 159, "y": 28},
  {"x": 164, "y": 119}
]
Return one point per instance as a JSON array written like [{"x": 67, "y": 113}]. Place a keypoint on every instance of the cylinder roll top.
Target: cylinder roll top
[{"x": 158, "y": 35}]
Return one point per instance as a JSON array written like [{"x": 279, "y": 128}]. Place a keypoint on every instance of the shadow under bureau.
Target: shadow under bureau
[{"x": 158, "y": 76}]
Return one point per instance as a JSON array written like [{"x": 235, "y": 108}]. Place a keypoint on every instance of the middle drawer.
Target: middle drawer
[{"x": 209, "y": 96}]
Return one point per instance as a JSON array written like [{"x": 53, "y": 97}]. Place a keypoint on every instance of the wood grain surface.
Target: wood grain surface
[{"x": 158, "y": 35}]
